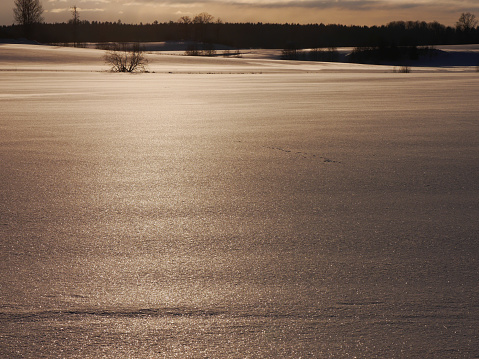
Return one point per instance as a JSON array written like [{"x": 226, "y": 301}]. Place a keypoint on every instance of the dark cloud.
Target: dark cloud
[
  {"x": 358, "y": 5},
  {"x": 322, "y": 4}
]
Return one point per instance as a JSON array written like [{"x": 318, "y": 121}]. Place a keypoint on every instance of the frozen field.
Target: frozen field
[{"x": 236, "y": 208}]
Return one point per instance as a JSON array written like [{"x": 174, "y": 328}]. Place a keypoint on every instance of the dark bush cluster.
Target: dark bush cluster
[
  {"x": 330, "y": 54},
  {"x": 389, "y": 54},
  {"x": 204, "y": 49},
  {"x": 123, "y": 57}
]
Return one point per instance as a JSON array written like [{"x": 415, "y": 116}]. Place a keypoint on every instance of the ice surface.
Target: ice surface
[{"x": 236, "y": 208}]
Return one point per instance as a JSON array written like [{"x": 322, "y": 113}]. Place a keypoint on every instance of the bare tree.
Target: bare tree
[
  {"x": 201, "y": 26},
  {"x": 466, "y": 22},
  {"x": 27, "y": 13},
  {"x": 75, "y": 15},
  {"x": 126, "y": 58},
  {"x": 203, "y": 18},
  {"x": 184, "y": 20},
  {"x": 75, "y": 20}
]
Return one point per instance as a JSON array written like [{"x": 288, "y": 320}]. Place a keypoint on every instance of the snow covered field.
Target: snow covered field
[
  {"x": 232, "y": 208},
  {"x": 19, "y": 57}
]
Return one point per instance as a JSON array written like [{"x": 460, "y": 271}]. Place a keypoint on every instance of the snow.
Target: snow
[
  {"x": 244, "y": 207},
  {"x": 162, "y": 58}
]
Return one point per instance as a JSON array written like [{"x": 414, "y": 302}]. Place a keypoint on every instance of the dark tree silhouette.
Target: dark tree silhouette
[
  {"x": 75, "y": 15},
  {"x": 466, "y": 22},
  {"x": 201, "y": 25},
  {"x": 184, "y": 23},
  {"x": 256, "y": 35},
  {"x": 27, "y": 13},
  {"x": 75, "y": 20},
  {"x": 203, "y": 18},
  {"x": 184, "y": 20}
]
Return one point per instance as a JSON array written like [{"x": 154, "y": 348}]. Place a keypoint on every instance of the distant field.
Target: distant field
[{"x": 167, "y": 57}]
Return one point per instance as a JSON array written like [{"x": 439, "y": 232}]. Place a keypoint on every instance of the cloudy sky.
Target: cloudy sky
[{"x": 347, "y": 12}]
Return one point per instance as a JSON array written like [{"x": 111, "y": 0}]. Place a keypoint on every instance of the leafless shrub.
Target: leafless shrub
[
  {"x": 237, "y": 54},
  {"x": 192, "y": 50},
  {"x": 103, "y": 46},
  {"x": 124, "y": 57},
  {"x": 404, "y": 69},
  {"x": 72, "y": 44},
  {"x": 208, "y": 50},
  {"x": 228, "y": 53},
  {"x": 327, "y": 55},
  {"x": 202, "y": 49},
  {"x": 289, "y": 53}
]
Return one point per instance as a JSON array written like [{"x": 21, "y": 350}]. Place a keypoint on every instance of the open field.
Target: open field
[
  {"x": 168, "y": 57},
  {"x": 233, "y": 208}
]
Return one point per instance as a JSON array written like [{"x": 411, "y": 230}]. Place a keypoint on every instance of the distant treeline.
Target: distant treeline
[{"x": 253, "y": 35}]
